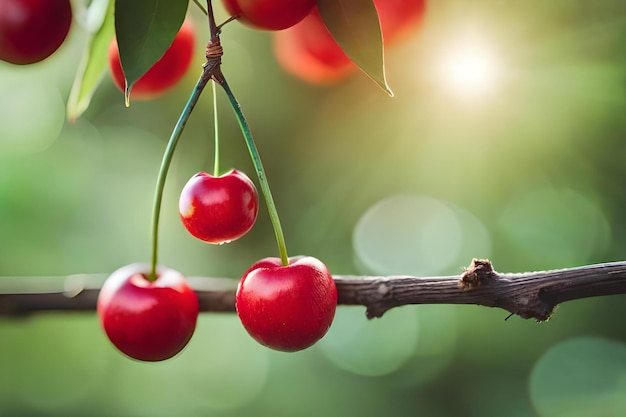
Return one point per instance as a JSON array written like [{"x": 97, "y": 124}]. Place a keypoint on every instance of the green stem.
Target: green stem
[
  {"x": 165, "y": 164},
  {"x": 256, "y": 161},
  {"x": 200, "y": 6},
  {"x": 216, "y": 161}
]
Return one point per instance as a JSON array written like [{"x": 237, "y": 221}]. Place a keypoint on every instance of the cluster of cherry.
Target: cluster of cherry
[
  {"x": 149, "y": 312},
  {"x": 303, "y": 45},
  {"x": 287, "y": 304}
]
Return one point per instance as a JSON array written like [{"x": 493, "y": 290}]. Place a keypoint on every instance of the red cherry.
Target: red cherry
[
  {"x": 309, "y": 52},
  {"x": 165, "y": 73},
  {"x": 148, "y": 321},
  {"x": 287, "y": 308},
  {"x": 398, "y": 18},
  {"x": 269, "y": 14},
  {"x": 219, "y": 209},
  {"x": 32, "y": 30}
]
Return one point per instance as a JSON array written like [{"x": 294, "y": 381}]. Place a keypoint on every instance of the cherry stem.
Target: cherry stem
[
  {"x": 258, "y": 165},
  {"x": 216, "y": 161},
  {"x": 206, "y": 13},
  {"x": 166, "y": 161},
  {"x": 212, "y": 70},
  {"x": 214, "y": 49},
  {"x": 200, "y": 6}
]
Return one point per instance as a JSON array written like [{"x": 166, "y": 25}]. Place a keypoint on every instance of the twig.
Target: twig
[{"x": 528, "y": 295}]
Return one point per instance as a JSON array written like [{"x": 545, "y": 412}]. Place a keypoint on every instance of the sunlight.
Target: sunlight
[{"x": 469, "y": 69}]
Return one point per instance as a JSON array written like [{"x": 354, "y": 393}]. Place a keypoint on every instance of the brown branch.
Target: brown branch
[{"x": 528, "y": 295}]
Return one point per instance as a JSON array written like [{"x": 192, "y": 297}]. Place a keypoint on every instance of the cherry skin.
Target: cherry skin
[
  {"x": 165, "y": 73},
  {"x": 269, "y": 14},
  {"x": 309, "y": 52},
  {"x": 219, "y": 209},
  {"x": 287, "y": 308},
  {"x": 147, "y": 321},
  {"x": 32, "y": 30},
  {"x": 399, "y": 18}
]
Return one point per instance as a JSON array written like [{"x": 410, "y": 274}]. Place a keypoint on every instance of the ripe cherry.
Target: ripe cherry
[
  {"x": 399, "y": 18},
  {"x": 165, "y": 73},
  {"x": 32, "y": 30},
  {"x": 148, "y": 321},
  {"x": 287, "y": 308},
  {"x": 269, "y": 14},
  {"x": 309, "y": 52},
  {"x": 219, "y": 209}
]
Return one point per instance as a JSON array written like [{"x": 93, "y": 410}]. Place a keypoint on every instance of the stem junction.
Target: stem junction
[{"x": 212, "y": 71}]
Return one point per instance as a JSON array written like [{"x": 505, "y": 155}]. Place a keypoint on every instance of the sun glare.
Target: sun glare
[{"x": 469, "y": 69}]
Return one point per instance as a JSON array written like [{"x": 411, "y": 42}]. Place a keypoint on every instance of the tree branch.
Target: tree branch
[{"x": 528, "y": 295}]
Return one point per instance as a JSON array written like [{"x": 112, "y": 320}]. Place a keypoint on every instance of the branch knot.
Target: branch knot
[{"x": 479, "y": 273}]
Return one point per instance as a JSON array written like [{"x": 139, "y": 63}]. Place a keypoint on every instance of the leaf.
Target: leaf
[
  {"x": 355, "y": 26},
  {"x": 144, "y": 30},
  {"x": 94, "y": 60}
]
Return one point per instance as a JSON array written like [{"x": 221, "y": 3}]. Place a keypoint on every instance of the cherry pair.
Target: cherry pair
[{"x": 284, "y": 307}]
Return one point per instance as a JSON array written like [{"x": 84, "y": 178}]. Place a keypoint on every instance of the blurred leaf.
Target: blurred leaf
[
  {"x": 354, "y": 25},
  {"x": 144, "y": 30},
  {"x": 95, "y": 14},
  {"x": 94, "y": 61}
]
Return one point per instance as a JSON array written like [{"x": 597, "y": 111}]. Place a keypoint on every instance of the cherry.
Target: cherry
[
  {"x": 398, "y": 18},
  {"x": 219, "y": 209},
  {"x": 32, "y": 30},
  {"x": 309, "y": 52},
  {"x": 148, "y": 321},
  {"x": 269, "y": 14},
  {"x": 165, "y": 73},
  {"x": 287, "y": 308}
]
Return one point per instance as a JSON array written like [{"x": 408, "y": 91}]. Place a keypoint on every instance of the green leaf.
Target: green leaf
[
  {"x": 144, "y": 30},
  {"x": 355, "y": 26},
  {"x": 93, "y": 64}
]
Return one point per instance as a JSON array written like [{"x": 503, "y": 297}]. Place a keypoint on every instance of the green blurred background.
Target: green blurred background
[{"x": 522, "y": 163}]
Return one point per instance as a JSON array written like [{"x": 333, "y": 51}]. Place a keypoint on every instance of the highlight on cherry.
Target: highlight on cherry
[
  {"x": 148, "y": 318},
  {"x": 287, "y": 307},
  {"x": 219, "y": 209}
]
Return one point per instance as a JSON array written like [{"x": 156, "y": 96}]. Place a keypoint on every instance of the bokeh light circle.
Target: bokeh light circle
[
  {"x": 222, "y": 368},
  {"x": 61, "y": 366},
  {"x": 407, "y": 234},
  {"x": 371, "y": 347},
  {"x": 32, "y": 115},
  {"x": 580, "y": 377},
  {"x": 554, "y": 227},
  {"x": 436, "y": 346},
  {"x": 418, "y": 235}
]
